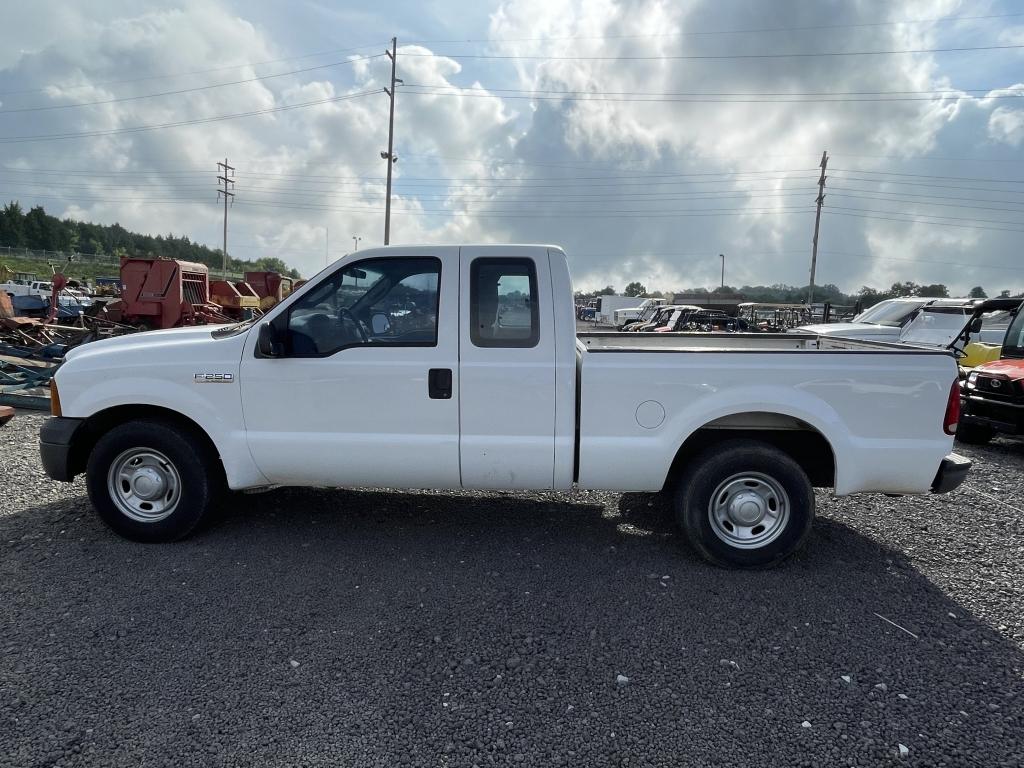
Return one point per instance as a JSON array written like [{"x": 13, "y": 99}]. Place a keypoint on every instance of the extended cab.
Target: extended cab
[{"x": 460, "y": 367}]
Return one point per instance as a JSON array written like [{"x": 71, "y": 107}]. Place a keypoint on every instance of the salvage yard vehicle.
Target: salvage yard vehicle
[
  {"x": 663, "y": 317},
  {"x": 623, "y": 317},
  {"x": 882, "y": 321},
  {"x": 993, "y": 392},
  {"x": 645, "y": 315},
  {"x": 330, "y": 389}
]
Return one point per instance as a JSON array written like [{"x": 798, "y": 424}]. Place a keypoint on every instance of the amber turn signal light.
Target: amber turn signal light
[{"x": 54, "y": 398}]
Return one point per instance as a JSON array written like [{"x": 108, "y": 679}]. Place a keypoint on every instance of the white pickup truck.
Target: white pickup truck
[
  {"x": 28, "y": 288},
  {"x": 460, "y": 367}
]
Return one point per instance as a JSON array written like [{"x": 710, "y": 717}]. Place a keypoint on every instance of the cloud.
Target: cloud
[{"x": 635, "y": 186}]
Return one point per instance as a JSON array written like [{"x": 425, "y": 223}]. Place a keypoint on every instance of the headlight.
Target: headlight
[{"x": 972, "y": 380}]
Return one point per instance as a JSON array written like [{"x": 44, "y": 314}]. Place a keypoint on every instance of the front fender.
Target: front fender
[{"x": 215, "y": 408}]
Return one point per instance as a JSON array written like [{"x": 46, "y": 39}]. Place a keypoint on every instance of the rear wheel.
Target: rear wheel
[
  {"x": 745, "y": 504},
  {"x": 152, "y": 481},
  {"x": 974, "y": 434}
]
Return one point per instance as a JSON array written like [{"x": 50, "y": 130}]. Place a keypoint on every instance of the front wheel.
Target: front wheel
[
  {"x": 745, "y": 504},
  {"x": 152, "y": 481}
]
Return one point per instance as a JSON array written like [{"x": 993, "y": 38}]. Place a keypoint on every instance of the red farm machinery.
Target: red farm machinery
[{"x": 164, "y": 293}]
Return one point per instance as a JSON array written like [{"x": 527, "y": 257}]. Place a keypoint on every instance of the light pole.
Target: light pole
[
  {"x": 722, "y": 257},
  {"x": 355, "y": 241}
]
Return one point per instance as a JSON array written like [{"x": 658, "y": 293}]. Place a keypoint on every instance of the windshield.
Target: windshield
[
  {"x": 1013, "y": 345},
  {"x": 935, "y": 326},
  {"x": 890, "y": 313}
]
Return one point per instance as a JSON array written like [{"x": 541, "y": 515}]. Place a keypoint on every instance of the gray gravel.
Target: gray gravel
[{"x": 342, "y": 628}]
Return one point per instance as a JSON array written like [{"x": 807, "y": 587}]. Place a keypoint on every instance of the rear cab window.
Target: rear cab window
[{"x": 503, "y": 303}]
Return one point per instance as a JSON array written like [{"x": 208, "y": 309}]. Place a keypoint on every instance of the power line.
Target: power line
[
  {"x": 943, "y": 19},
  {"x": 180, "y": 123},
  {"x": 45, "y": 89},
  {"x": 928, "y": 185},
  {"x": 922, "y": 202},
  {"x": 185, "y": 90},
  {"x": 925, "y": 176},
  {"x": 870, "y": 213},
  {"x": 711, "y": 57},
  {"x": 709, "y": 98}
]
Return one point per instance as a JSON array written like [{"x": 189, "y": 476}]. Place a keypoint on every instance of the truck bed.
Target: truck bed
[{"x": 878, "y": 405}]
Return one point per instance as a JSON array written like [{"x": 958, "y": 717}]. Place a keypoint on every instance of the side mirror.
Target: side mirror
[
  {"x": 380, "y": 324},
  {"x": 976, "y": 325},
  {"x": 268, "y": 343}
]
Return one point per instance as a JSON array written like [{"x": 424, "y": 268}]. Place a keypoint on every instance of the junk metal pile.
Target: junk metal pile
[{"x": 41, "y": 320}]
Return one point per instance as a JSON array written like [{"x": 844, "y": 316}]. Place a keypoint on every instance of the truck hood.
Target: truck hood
[
  {"x": 865, "y": 331},
  {"x": 155, "y": 344},
  {"x": 1011, "y": 369}
]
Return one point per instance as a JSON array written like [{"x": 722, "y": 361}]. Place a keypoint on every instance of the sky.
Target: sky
[{"x": 646, "y": 137}]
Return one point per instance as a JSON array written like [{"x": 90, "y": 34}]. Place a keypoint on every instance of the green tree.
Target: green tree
[
  {"x": 934, "y": 290},
  {"x": 904, "y": 289},
  {"x": 636, "y": 288},
  {"x": 606, "y": 291},
  {"x": 977, "y": 292},
  {"x": 12, "y": 225}
]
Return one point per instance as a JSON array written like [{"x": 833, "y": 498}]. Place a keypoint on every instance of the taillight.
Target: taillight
[{"x": 952, "y": 409}]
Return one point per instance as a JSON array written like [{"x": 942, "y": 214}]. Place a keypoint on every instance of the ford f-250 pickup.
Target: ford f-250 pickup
[{"x": 460, "y": 367}]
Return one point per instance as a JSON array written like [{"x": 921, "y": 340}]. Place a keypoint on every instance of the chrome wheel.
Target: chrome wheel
[
  {"x": 748, "y": 510},
  {"x": 144, "y": 485}
]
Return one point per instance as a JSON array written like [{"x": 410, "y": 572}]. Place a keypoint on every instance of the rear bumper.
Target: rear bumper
[
  {"x": 952, "y": 472},
  {"x": 55, "y": 446}
]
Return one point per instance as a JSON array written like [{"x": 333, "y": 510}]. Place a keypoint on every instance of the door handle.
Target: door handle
[{"x": 439, "y": 383}]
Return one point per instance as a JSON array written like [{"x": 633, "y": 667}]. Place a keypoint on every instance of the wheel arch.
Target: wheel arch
[
  {"x": 101, "y": 422},
  {"x": 803, "y": 442}
]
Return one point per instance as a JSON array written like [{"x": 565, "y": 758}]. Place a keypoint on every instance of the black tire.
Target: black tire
[
  {"x": 197, "y": 467},
  {"x": 703, "y": 476},
  {"x": 974, "y": 434}
]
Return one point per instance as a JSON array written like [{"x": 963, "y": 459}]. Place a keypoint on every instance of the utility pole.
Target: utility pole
[
  {"x": 225, "y": 179},
  {"x": 722, "y": 257},
  {"x": 355, "y": 242},
  {"x": 817, "y": 223},
  {"x": 390, "y": 154}
]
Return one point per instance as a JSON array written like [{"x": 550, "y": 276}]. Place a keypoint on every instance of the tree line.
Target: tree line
[
  {"x": 781, "y": 293},
  {"x": 39, "y": 231}
]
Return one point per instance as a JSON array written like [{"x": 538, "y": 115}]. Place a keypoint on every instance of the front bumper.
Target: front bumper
[
  {"x": 55, "y": 446},
  {"x": 952, "y": 471},
  {"x": 1000, "y": 415}
]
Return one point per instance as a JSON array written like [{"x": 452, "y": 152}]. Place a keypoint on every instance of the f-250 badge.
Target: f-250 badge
[{"x": 214, "y": 378}]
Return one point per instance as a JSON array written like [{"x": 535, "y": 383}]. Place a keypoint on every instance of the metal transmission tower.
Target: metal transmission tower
[
  {"x": 817, "y": 223},
  {"x": 390, "y": 154},
  {"x": 225, "y": 179}
]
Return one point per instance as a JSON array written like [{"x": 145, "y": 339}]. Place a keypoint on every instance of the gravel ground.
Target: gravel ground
[{"x": 342, "y": 628}]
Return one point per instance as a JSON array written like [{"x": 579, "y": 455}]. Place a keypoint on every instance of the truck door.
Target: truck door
[
  {"x": 365, "y": 390},
  {"x": 506, "y": 368}
]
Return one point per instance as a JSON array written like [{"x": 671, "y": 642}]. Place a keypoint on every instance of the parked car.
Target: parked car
[
  {"x": 623, "y": 317},
  {"x": 705, "y": 320},
  {"x": 662, "y": 317},
  {"x": 608, "y": 305},
  {"x": 28, "y": 288},
  {"x": 646, "y": 315},
  {"x": 938, "y": 325},
  {"x": 993, "y": 392},
  {"x": 881, "y": 322},
  {"x": 325, "y": 391}
]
